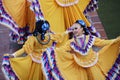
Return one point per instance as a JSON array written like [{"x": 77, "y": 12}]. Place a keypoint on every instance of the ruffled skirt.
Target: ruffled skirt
[
  {"x": 21, "y": 68},
  {"x": 61, "y": 65}
]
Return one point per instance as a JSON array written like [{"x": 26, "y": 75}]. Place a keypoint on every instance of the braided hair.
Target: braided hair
[{"x": 41, "y": 28}]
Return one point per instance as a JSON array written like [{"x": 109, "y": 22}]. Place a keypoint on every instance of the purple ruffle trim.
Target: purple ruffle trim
[
  {"x": 35, "y": 7},
  {"x": 46, "y": 67},
  {"x": 83, "y": 51},
  {"x": 7, "y": 69},
  {"x": 6, "y": 19},
  {"x": 114, "y": 73},
  {"x": 93, "y": 31},
  {"x": 23, "y": 32},
  {"x": 92, "y": 6},
  {"x": 49, "y": 65}
]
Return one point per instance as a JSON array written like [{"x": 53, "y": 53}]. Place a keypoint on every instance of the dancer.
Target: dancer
[
  {"x": 77, "y": 60},
  {"x": 28, "y": 67}
]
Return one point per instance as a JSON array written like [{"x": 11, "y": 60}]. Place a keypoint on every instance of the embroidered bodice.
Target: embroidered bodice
[{"x": 82, "y": 45}]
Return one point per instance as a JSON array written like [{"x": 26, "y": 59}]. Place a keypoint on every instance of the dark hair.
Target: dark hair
[
  {"x": 83, "y": 25},
  {"x": 41, "y": 27}
]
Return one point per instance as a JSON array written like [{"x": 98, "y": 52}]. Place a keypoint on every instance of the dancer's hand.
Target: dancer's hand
[
  {"x": 117, "y": 40},
  {"x": 29, "y": 1},
  {"x": 69, "y": 30},
  {"x": 11, "y": 55},
  {"x": 118, "y": 37}
]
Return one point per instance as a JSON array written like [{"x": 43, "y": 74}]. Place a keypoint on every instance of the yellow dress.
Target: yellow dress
[
  {"x": 86, "y": 64},
  {"x": 29, "y": 67}
]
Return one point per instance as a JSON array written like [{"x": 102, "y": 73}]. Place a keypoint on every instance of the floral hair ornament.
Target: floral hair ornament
[
  {"x": 81, "y": 22},
  {"x": 45, "y": 27},
  {"x": 83, "y": 25}
]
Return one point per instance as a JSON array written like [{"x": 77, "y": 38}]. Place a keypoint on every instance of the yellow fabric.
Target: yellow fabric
[
  {"x": 20, "y": 12},
  {"x": 102, "y": 42},
  {"x": 61, "y": 18},
  {"x": 60, "y": 38},
  {"x": 19, "y": 52},
  {"x": 30, "y": 18},
  {"x": 70, "y": 70},
  {"x": 25, "y": 67}
]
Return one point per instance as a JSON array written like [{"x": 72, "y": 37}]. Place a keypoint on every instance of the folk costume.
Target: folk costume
[
  {"x": 29, "y": 67},
  {"x": 77, "y": 59}
]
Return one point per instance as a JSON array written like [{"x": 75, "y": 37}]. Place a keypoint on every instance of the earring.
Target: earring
[{"x": 83, "y": 32}]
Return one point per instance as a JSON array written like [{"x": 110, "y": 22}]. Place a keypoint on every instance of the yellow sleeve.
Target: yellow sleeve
[
  {"x": 66, "y": 47},
  {"x": 19, "y": 52},
  {"x": 60, "y": 38},
  {"x": 102, "y": 42},
  {"x": 27, "y": 47}
]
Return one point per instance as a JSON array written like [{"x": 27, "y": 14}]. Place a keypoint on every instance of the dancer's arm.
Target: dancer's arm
[
  {"x": 60, "y": 38},
  {"x": 27, "y": 47},
  {"x": 102, "y": 42}
]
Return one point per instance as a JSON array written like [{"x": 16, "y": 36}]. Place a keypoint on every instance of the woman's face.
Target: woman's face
[{"x": 77, "y": 29}]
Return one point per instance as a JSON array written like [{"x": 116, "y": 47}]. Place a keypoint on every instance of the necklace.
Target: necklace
[
  {"x": 45, "y": 41},
  {"x": 83, "y": 51},
  {"x": 66, "y": 3}
]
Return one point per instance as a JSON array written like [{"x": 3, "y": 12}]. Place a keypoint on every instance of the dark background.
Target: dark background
[{"x": 109, "y": 13}]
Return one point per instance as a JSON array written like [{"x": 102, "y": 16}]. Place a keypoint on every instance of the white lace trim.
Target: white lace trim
[
  {"x": 34, "y": 59},
  {"x": 89, "y": 65},
  {"x": 67, "y": 3}
]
